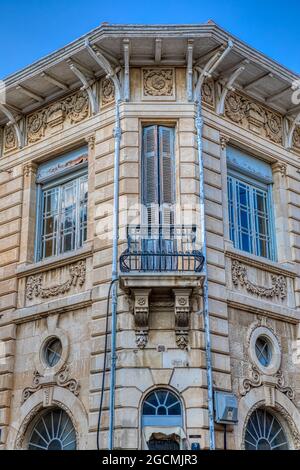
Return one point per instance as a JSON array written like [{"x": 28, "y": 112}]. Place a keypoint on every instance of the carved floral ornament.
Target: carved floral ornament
[
  {"x": 107, "y": 91},
  {"x": 35, "y": 288},
  {"x": 243, "y": 111},
  {"x": 10, "y": 139},
  {"x": 158, "y": 82},
  {"x": 72, "y": 109},
  {"x": 239, "y": 273}
]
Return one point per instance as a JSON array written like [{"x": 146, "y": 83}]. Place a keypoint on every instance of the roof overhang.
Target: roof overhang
[{"x": 149, "y": 45}]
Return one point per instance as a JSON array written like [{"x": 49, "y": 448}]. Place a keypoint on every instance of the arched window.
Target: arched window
[
  {"x": 264, "y": 432},
  {"x": 53, "y": 430},
  {"x": 162, "y": 420}
]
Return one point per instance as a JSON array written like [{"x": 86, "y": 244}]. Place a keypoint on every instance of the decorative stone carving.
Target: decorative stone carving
[
  {"x": 256, "y": 379},
  {"x": 158, "y": 82},
  {"x": 240, "y": 277},
  {"x": 29, "y": 169},
  {"x": 296, "y": 137},
  {"x": 280, "y": 385},
  {"x": 224, "y": 139},
  {"x": 247, "y": 113},
  {"x": 292, "y": 426},
  {"x": 107, "y": 91},
  {"x": 10, "y": 139},
  {"x": 279, "y": 167},
  {"x": 208, "y": 92},
  {"x": 62, "y": 379},
  {"x": 182, "y": 316},
  {"x": 141, "y": 316},
  {"x": 91, "y": 141},
  {"x": 34, "y": 287},
  {"x": 72, "y": 109}
]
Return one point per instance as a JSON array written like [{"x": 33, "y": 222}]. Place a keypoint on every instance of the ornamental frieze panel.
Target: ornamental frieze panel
[
  {"x": 10, "y": 139},
  {"x": 55, "y": 283},
  {"x": 255, "y": 117},
  {"x": 208, "y": 92},
  {"x": 107, "y": 92},
  {"x": 57, "y": 116},
  {"x": 158, "y": 83},
  {"x": 266, "y": 286}
]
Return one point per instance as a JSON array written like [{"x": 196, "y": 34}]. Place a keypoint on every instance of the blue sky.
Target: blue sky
[{"x": 30, "y": 29}]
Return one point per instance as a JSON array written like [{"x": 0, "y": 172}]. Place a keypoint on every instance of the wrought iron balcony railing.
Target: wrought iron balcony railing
[{"x": 161, "y": 248}]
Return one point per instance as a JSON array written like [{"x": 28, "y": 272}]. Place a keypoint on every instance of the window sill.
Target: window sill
[
  {"x": 285, "y": 269},
  {"x": 26, "y": 269}
]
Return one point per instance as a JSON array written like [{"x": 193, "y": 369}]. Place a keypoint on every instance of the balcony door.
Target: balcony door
[{"x": 158, "y": 196}]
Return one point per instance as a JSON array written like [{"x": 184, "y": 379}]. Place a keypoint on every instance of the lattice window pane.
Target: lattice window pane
[
  {"x": 64, "y": 217},
  {"x": 250, "y": 222}
]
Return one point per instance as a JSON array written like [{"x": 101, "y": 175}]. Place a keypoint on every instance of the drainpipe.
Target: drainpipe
[
  {"x": 199, "y": 128},
  {"x": 207, "y": 71},
  {"x": 115, "y": 275},
  {"x": 97, "y": 55}
]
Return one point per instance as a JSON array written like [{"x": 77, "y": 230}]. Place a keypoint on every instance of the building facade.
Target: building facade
[{"x": 134, "y": 91}]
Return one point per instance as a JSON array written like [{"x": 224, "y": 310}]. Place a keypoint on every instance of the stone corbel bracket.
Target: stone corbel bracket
[
  {"x": 141, "y": 316},
  {"x": 228, "y": 86},
  {"x": 17, "y": 124},
  {"x": 86, "y": 85},
  {"x": 182, "y": 316},
  {"x": 289, "y": 126}
]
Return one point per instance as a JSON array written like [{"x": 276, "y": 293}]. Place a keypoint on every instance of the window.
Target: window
[
  {"x": 264, "y": 432},
  {"x": 53, "y": 431},
  {"x": 52, "y": 351},
  {"x": 249, "y": 205},
  {"x": 62, "y": 224},
  {"x": 158, "y": 187},
  {"x": 263, "y": 350},
  {"x": 162, "y": 421}
]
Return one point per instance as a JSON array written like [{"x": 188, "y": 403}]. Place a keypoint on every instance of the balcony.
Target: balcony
[
  {"x": 164, "y": 253},
  {"x": 161, "y": 266}
]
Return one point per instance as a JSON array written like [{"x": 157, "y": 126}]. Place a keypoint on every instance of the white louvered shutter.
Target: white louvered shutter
[
  {"x": 150, "y": 185},
  {"x": 167, "y": 184}
]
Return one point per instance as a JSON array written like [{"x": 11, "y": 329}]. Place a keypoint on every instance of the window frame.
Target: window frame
[
  {"x": 237, "y": 175},
  {"x": 49, "y": 183},
  {"x": 144, "y": 213}
]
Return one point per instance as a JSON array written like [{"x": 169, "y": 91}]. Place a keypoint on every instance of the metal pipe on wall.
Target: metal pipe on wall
[
  {"x": 207, "y": 71},
  {"x": 199, "y": 129},
  {"x": 115, "y": 275}
]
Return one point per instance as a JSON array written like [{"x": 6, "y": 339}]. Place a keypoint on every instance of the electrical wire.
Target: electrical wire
[{"x": 104, "y": 364}]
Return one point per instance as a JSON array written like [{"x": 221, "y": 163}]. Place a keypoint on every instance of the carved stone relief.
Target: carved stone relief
[
  {"x": 70, "y": 110},
  {"x": 140, "y": 306},
  {"x": 158, "y": 82},
  {"x": 35, "y": 287},
  {"x": 107, "y": 92},
  {"x": 62, "y": 378},
  {"x": 256, "y": 379},
  {"x": 247, "y": 113},
  {"x": 10, "y": 139},
  {"x": 208, "y": 92},
  {"x": 240, "y": 277},
  {"x": 182, "y": 316},
  {"x": 141, "y": 316}
]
